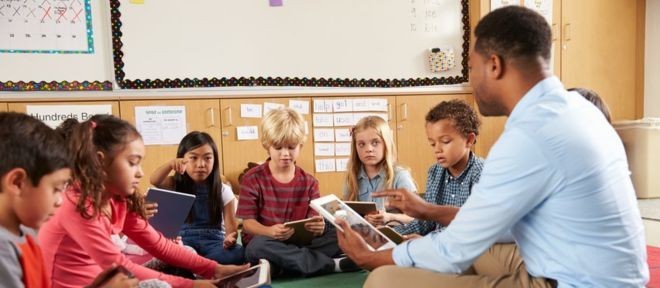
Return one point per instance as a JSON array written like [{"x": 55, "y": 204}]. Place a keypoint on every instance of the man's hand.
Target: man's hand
[
  {"x": 316, "y": 225},
  {"x": 411, "y": 236},
  {"x": 409, "y": 203},
  {"x": 280, "y": 232}
]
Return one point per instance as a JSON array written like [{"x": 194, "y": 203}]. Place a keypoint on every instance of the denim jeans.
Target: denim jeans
[{"x": 208, "y": 243}]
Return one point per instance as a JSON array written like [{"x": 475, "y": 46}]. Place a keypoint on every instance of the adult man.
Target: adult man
[{"x": 557, "y": 178}]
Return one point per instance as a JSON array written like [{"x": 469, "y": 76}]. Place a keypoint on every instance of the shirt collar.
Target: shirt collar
[
  {"x": 471, "y": 160},
  {"x": 362, "y": 174},
  {"x": 541, "y": 88}
]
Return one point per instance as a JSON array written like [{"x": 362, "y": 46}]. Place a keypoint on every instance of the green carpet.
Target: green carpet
[{"x": 349, "y": 280}]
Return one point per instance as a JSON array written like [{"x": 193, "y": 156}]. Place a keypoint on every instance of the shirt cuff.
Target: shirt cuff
[{"x": 401, "y": 255}]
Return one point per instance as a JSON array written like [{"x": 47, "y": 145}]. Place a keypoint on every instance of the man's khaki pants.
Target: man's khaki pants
[{"x": 501, "y": 266}]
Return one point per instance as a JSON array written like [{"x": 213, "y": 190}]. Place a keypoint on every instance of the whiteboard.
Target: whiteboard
[
  {"x": 349, "y": 43},
  {"x": 55, "y": 71}
]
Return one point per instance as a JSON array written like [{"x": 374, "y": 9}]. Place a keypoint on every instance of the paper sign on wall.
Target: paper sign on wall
[
  {"x": 324, "y": 149},
  {"x": 270, "y": 106},
  {"x": 343, "y": 149},
  {"x": 343, "y": 119},
  {"x": 322, "y": 120},
  {"x": 322, "y": 106},
  {"x": 247, "y": 133},
  {"x": 377, "y": 104},
  {"x": 342, "y": 164},
  {"x": 342, "y": 105},
  {"x": 325, "y": 165},
  {"x": 161, "y": 125},
  {"x": 324, "y": 135},
  {"x": 343, "y": 135},
  {"x": 54, "y": 115},
  {"x": 250, "y": 111},
  {"x": 301, "y": 106}
]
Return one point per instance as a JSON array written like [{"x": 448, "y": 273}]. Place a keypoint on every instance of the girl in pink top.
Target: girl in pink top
[{"x": 76, "y": 242}]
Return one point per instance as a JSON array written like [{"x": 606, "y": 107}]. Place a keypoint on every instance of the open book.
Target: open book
[{"x": 330, "y": 207}]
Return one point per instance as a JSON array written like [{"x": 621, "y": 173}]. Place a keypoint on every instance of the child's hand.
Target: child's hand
[
  {"x": 151, "y": 209},
  {"x": 121, "y": 281},
  {"x": 316, "y": 226},
  {"x": 280, "y": 232},
  {"x": 178, "y": 241},
  {"x": 222, "y": 271},
  {"x": 179, "y": 165},
  {"x": 411, "y": 236},
  {"x": 376, "y": 219},
  {"x": 230, "y": 240}
]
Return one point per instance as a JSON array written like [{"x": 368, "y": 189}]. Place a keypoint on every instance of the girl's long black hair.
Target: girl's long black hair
[{"x": 183, "y": 182}]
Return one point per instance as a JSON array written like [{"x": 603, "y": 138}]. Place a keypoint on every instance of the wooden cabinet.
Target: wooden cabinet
[
  {"x": 413, "y": 147},
  {"x": 237, "y": 153},
  {"x": 601, "y": 47},
  {"x": 201, "y": 115},
  {"x": 3, "y": 107}
]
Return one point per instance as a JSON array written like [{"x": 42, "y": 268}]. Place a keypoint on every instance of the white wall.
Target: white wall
[{"x": 652, "y": 57}]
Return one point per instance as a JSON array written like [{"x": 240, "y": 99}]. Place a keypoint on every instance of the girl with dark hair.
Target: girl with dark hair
[{"x": 197, "y": 171}]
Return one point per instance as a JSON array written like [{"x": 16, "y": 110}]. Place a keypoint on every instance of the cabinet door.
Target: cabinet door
[
  {"x": 3, "y": 107},
  {"x": 599, "y": 46},
  {"x": 237, "y": 153},
  {"x": 333, "y": 182},
  {"x": 414, "y": 150},
  {"x": 201, "y": 115}
]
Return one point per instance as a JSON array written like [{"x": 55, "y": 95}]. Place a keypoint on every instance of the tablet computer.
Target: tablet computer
[
  {"x": 301, "y": 236},
  {"x": 173, "y": 210},
  {"x": 330, "y": 207},
  {"x": 362, "y": 208},
  {"x": 392, "y": 234},
  {"x": 255, "y": 276}
]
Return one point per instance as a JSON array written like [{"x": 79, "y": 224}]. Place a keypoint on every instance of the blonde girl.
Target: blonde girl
[{"x": 372, "y": 167}]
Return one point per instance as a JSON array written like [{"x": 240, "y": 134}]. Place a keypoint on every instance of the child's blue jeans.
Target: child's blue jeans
[{"x": 208, "y": 243}]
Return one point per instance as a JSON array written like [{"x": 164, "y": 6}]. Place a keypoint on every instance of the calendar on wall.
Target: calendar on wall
[{"x": 46, "y": 26}]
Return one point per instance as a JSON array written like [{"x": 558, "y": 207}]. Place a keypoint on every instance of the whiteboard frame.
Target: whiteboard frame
[{"x": 257, "y": 81}]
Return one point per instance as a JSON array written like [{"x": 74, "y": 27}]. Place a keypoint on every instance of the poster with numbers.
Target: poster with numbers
[{"x": 46, "y": 26}]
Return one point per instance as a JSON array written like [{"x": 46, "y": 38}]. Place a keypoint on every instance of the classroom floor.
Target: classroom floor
[{"x": 348, "y": 280}]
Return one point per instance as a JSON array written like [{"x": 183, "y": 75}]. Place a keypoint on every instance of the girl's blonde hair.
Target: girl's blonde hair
[
  {"x": 283, "y": 126},
  {"x": 389, "y": 156}
]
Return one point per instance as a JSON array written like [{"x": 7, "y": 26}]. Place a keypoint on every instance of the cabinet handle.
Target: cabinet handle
[
  {"x": 211, "y": 113},
  {"x": 567, "y": 32},
  {"x": 404, "y": 111},
  {"x": 554, "y": 32},
  {"x": 227, "y": 117}
]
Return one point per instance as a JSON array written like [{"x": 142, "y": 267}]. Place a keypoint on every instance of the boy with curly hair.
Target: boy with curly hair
[{"x": 452, "y": 128}]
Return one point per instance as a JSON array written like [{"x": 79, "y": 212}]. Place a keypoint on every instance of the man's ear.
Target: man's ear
[
  {"x": 495, "y": 66},
  {"x": 14, "y": 181}
]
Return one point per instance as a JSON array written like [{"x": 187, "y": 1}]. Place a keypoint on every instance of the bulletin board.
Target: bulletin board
[
  {"x": 55, "y": 45},
  {"x": 317, "y": 43}
]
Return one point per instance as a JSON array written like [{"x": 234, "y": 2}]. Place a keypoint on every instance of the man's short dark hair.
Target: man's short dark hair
[
  {"x": 28, "y": 143},
  {"x": 514, "y": 32}
]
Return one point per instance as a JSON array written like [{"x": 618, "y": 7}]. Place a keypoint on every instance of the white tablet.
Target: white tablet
[
  {"x": 255, "y": 276},
  {"x": 173, "y": 209},
  {"x": 330, "y": 207}
]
